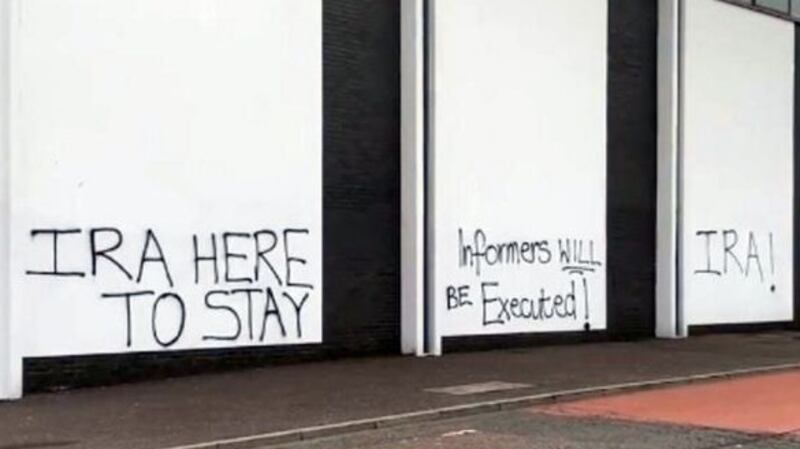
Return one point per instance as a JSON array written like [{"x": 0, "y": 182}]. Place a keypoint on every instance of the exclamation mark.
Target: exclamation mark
[
  {"x": 772, "y": 261},
  {"x": 586, "y": 326}
]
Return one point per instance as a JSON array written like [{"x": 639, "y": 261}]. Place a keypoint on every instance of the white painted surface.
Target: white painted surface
[
  {"x": 669, "y": 322},
  {"x": 479, "y": 388},
  {"x": 520, "y": 153},
  {"x": 187, "y": 117},
  {"x": 412, "y": 174},
  {"x": 433, "y": 323},
  {"x": 10, "y": 362},
  {"x": 738, "y": 145}
]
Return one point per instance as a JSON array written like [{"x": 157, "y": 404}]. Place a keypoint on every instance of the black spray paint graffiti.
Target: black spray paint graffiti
[
  {"x": 729, "y": 252},
  {"x": 257, "y": 294},
  {"x": 573, "y": 254},
  {"x": 576, "y": 258}
]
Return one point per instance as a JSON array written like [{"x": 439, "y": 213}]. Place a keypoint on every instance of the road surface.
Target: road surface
[{"x": 761, "y": 412}]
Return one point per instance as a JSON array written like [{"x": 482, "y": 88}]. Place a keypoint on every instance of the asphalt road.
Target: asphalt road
[
  {"x": 745, "y": 413},
  {"x": 532, "y": 429}
]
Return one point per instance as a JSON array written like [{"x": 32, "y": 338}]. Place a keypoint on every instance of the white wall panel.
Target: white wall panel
[
  {"x": 737, "y": 154},
  {"x": 147, "y": 124},
  {"x": 519, "y": 165}
]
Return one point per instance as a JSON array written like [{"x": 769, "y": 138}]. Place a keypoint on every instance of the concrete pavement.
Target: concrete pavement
[{"x": 207, "y": 408}]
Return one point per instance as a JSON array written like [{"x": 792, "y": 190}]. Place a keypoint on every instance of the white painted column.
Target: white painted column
[
  {"x": 412, "y": 175},
  {"x": 10, "y": 363},
  {"x": 669, "y": 313},
  {"x": 433, "y": 336}
]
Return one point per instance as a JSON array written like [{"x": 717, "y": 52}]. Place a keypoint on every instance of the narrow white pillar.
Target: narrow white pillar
[
  {"x": 670, "y": 322},
  {"x": 433, "y": 336},
  {"x": 10, "y": 362},
  {"x": 412, "y": 167}
]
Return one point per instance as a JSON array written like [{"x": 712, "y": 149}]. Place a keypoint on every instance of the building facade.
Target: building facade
[{"x": 195, "y": 185}]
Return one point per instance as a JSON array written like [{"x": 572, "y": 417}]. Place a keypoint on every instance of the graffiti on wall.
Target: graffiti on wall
[
  {"x": 559, "y": 277},
  {"x": 733, "y": 253},
  {"x": 177, "y": 227},
  {"x": 255, "y": 283}
]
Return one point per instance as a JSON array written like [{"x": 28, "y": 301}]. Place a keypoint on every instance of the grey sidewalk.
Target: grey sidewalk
[{"x": 204, "y": 408}]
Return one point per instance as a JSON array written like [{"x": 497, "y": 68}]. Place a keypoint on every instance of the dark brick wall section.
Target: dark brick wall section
[
  {"x": 632, "y": 147},
  {"x": 361, "y": 216},
  {"x": 362, "y": 175}
]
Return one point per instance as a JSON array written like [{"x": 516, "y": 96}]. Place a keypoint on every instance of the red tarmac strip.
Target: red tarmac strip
[{"x": 760, "y": 404}]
